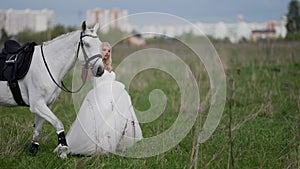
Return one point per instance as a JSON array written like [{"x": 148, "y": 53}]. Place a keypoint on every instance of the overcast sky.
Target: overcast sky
[{"x": 72, "y": 12}]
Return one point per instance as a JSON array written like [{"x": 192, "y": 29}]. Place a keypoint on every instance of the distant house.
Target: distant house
[
  {"x": 268, "y": 33},
  {"x": 263, "y": 34},
  {"x": 137, "y": 40}
]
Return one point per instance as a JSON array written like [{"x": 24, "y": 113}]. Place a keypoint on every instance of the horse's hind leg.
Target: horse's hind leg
[
  {"x": 38, "y": 126},
  {"x": 44, "y": 112}
]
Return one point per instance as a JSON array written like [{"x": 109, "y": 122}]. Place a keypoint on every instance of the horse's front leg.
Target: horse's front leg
[
  {"x": 38, "y": 126},
  {"x": 44, "y": 112}
]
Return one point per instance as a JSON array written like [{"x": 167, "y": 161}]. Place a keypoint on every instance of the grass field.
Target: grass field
[{"x": 259, "y": 127}]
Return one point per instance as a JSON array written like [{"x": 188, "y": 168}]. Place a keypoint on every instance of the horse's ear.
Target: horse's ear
[
  {"x": 83, "y": 26},
  {"x": 96, "y": 27}
]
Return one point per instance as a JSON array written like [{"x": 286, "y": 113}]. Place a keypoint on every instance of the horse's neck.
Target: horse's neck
[{"x": 60, "y": 54}]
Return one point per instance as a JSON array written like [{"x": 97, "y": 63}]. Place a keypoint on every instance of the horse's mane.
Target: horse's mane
[{"x": 59, "y": 37}]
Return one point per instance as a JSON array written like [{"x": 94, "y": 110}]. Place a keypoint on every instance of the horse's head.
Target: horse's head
[{"x": 89, "y": 46}]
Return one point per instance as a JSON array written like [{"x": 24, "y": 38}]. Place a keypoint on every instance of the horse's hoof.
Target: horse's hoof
[
  {"x": 62, "y": 151},
  {"x": 63, "y": 155},
  {"x": 34, "y": 147}
]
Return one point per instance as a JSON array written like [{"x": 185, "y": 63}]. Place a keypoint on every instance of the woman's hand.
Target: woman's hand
[{"x": 108, "y": 68}]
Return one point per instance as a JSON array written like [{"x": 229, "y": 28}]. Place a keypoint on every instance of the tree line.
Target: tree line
[{"x": 38, "y": 37}]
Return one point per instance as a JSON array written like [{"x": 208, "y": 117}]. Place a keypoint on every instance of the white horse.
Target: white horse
[{"x": 41, "y": 86}]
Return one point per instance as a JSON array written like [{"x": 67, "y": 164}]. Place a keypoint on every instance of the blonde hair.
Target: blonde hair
[{"x": 107, "y": 62}]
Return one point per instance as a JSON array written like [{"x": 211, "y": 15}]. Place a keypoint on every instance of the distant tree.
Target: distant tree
[
  {"x": 59, "y": 30},
  {"x": 29, "y": 35},
  {"x": 4, "y": 35},
  {"x": 43, "y": 36},
  {"x": 293, "y": 17}
]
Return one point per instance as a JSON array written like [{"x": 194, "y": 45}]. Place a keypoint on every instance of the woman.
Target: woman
[{"x": 106, "y": 121}]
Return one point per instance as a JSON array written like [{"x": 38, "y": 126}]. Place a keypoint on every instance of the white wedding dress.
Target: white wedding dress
[{"x": 106, "y": 121}]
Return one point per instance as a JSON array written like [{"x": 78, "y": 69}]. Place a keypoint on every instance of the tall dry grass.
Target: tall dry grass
[{"x": 259, "y": 127}]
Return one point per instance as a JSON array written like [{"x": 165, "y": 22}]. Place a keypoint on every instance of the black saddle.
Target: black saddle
[
  {"x": 12, "y": 46},
  {"x": 15, "y": 60}
]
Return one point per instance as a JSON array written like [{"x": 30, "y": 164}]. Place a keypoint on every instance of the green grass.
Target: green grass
[{"x": 265, "y": 115}]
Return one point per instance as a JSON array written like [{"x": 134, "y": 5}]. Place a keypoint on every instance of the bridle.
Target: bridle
[{"x": 86, "y": 60}]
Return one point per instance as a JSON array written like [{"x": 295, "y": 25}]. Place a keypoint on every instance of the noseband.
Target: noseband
[{"x": 86, "y": 59}]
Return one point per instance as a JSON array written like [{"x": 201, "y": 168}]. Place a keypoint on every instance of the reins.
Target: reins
[{"x": 87, "y": 60}]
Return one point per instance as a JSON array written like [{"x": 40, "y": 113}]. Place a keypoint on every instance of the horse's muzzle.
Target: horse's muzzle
[
  {"x": 100, "y": 71},
  {"x": 97, "y": 68}
]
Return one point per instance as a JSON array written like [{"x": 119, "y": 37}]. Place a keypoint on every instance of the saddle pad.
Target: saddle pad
[{"x": 19, "y": 69}]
